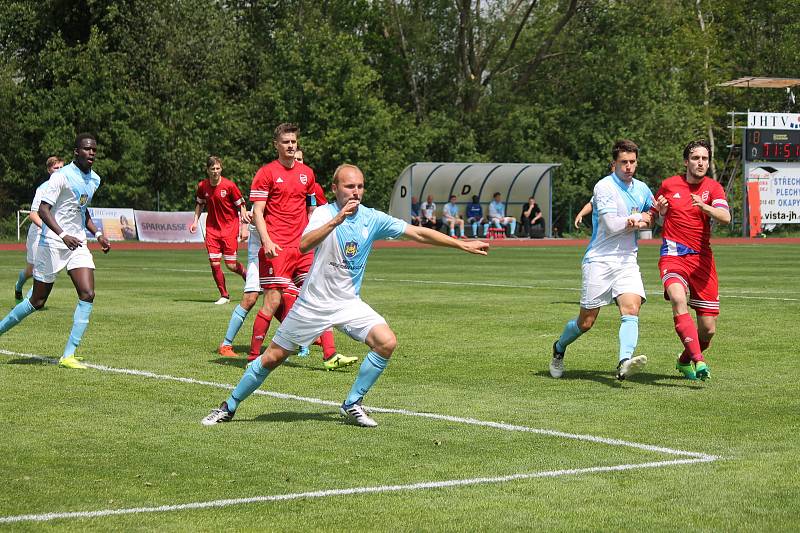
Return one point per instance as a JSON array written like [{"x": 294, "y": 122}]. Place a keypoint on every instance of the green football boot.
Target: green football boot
[
  {"x": 702, "y": 371},
  {"x": 687, "y": 370}
]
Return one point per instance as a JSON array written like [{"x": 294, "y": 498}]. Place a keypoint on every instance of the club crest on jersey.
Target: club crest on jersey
[
  {"x": 83, "y": 200},
  {"x": 704, "y": 196},
  {"x": 223, "y": 193},
  {"x": 350, "y": 249},
  {"x": 303, "y": 179}
]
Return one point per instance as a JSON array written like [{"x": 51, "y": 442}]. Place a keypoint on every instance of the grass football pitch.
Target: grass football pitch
[{"x": 474, "y": 434}]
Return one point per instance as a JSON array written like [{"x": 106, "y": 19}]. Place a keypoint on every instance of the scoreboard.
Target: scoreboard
[{"x": 772, "y": 145}]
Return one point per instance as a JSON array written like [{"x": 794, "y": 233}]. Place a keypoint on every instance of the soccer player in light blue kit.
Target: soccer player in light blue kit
[
  {"x": 34, "y": 231},
  {"x": 610, "y": 271},
  {"x": 62, "y": 244},
  {"x": 342, "y": 234}
]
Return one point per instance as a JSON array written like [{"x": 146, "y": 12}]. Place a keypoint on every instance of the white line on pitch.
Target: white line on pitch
[
  {"x": 434, "y": 416},
  {"x": 347, "y": 492}
]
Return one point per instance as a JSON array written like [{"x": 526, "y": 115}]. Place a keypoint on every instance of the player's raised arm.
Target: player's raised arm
[{"x": 429, "y": 236}]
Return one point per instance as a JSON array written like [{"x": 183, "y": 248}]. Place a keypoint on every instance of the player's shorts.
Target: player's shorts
[
  {"x": 252, "y": 282},
  {"x": 290, "y": 266},
  {"x": 222, "y": 246},
  {"x": 604, "y": 281},
  {"x": 698, "y": 274},
  {"x": 32, "y": 244},
  {"x": 50, "y": 261},
  {"x": 304, "y": 323}
]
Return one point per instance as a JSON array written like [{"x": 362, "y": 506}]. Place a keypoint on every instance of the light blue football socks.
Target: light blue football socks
[
  {"x": 80, "y": 319},
  {"x": 253, "y": 377},
  {"x": 20, "y": 311},
  {"x": 513, "y": 227},
  {"x": 568, "y": 336},
  {"x": 371, "y": 369},
  {"x": 237, "y": 319},
  {"x": 20, "y": 281},
  {"x": 628, "y": 336}
]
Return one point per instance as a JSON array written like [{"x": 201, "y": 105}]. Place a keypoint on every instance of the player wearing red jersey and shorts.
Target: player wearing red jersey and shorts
[
  {"x": 688, "y": 203},
  {"x": 226, "y": 213},
  {"x": 282, "y": 193}
]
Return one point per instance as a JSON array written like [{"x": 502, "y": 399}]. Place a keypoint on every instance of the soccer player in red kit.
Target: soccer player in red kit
[
  {"x": 226, "y": 213},
  {"x": 282, "y": 193},
  {"x": 688, "y": 203}
]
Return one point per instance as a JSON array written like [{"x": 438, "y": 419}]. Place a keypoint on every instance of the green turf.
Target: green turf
[{"x": 474, "y": 342}]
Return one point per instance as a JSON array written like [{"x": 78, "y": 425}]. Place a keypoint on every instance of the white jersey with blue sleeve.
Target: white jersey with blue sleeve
[
  {"x": 615, "y": 198},
  {"x": 69, "y": 191},
  {"x": 34, "y": 231},
  {"x": 341, "y": 258}
]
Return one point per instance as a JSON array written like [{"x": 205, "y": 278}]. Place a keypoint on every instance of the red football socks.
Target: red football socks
[
  {"x": 260, "y": 328},
  {"x": 219, "y": 279},
  {"x": 687, "y": 333},
  {"x": 287, "y": 301},
  {"x": 328, "y": 346}
]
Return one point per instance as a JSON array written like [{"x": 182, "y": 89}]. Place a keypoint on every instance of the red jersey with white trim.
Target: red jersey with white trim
[
  {"x": 319, "y": 194},
  {"x": 686, "y": 228},
  {"x": 287, "y": 193},
  {"x": 222, "y": 204}
]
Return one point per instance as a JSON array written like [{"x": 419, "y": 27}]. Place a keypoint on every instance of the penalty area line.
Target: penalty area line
[{"x": 425, "y": 485}]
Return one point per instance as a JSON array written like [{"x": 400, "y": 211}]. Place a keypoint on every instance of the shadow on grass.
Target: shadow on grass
[
  {"x": 28, "y": 361},
  {"x": 609, "y": 379},
  {"x": 309, "y": 364},
  {"x": 294, "y": 416}
]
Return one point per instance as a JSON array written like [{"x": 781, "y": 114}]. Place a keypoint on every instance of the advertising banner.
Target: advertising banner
[
  {"x": 116, "y": 224},
  {"x": 162, "y": 226},
  {"x": 776, "y": 188}
]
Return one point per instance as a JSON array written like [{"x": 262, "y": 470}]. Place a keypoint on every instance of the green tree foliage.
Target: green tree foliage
[{"x": 379, "y": 83}]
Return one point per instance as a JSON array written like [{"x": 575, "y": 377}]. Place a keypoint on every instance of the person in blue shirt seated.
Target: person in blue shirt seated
[
  {"x": 452, "y": 217},
  {"x": 497, "y": 215},
  {"x": 415, "y": 218},
  {"x": 475, "y": 216}
]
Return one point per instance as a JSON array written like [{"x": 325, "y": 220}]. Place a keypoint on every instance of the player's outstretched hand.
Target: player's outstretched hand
[
  {"x": 349, "y": 209},
  {"x": 271, "y": 249},
  {"x": 476, "y": 247},
  {"x": 193, "y": 227},
  {"x": 578, "y": 221}
]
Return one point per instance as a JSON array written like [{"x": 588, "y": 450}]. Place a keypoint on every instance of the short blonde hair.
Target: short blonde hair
[{"x": 52, "y": 160}]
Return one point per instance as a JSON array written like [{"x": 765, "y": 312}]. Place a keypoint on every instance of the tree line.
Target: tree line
[{"x": 379, "y": 83}]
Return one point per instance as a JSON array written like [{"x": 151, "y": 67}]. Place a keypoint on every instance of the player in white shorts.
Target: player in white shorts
[
  {"x": 610, "y": 272},
  {"x": 62, "y": 244},
  {"x": 342, "y": 234},
  {"x": 34, "y": 231}
]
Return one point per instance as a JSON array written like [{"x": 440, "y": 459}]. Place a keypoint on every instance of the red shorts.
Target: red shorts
[
  {"x": 290, "y": 266},
  {"x": 698, "y": 274},
  {"x": 219, "y": 246}
]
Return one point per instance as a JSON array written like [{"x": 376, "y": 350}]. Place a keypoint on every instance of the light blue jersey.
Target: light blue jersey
[
  {"x": 614, "y": 197},
  {"x": 340, "y": 259},
  {"x": 69, "y": 191}
]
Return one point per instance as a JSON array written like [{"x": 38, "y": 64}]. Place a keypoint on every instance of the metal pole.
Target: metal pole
[{"x": 745, "y": 172}]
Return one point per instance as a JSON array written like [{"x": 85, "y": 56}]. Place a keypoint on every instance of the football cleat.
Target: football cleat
[
  {"x": 557, "y": 362},
  {"x": 226, "y": 350},
  {"x": 687, "y": 370},
  {"x": 303, "y": 351},
  {"x": 356, "y": 414},
  {"x": 338, "y": 360},
  {"x": 702, "y": 371},
  {"x": 222, "y": 301},
  {"x": 71, "y": 362},
  {"x": 218, "y": 416},
  {"x": 630, "y": 366}
]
